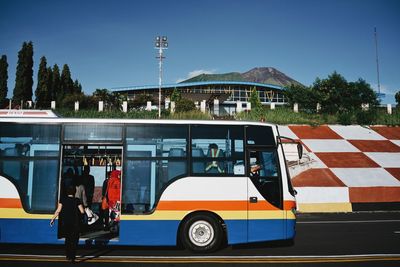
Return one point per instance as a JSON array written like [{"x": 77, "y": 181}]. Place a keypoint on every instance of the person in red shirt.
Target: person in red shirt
[{"x": 114, "y": 194}]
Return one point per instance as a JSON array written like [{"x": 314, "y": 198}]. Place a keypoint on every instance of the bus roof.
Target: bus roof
[
  {"x": 55, "y": 119},
  {"x": 26, "y": 113}
]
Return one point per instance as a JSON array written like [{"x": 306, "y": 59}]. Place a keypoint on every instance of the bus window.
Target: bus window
[
  {"x": 217, "y": 150},
  {"x": 264, "y": 173},
  {"x": 257, "y": 135},
  {"x": 155, "y": 155},
  {"x": 29, "y": 159},
  {"x": 92, "y": 132}
]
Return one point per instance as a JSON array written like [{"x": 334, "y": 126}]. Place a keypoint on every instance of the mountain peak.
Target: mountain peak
[{"x": 267, "y": 75}]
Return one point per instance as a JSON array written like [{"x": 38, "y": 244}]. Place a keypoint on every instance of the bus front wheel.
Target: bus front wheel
[{"x": 202, "y": 233}]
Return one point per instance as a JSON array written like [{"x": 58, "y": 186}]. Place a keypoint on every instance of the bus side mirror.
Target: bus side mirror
[{"x": 300, "y": 150}]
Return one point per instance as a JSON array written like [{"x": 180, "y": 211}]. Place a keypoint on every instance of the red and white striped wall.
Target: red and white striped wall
[{"x": 346, "y": 168}]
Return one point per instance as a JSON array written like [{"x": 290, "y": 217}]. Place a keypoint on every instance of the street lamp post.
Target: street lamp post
[{"x": 161, "y": 44}]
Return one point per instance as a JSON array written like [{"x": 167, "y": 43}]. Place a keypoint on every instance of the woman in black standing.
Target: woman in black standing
[{"x": 70, "y": 210}]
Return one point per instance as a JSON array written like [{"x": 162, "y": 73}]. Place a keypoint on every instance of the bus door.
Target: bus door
[
  {"x": 265, "y": 204},
  {"x": 91, "y": 166}
]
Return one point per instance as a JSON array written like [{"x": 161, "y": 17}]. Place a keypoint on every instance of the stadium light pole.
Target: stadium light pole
[{"x": 161, "y": 44}]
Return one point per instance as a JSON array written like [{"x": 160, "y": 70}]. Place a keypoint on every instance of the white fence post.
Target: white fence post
[
  {"x": 148, "y": 106},
  {"x": 101, "y": 106},
  {"x": 318, "y": 107},
  {"x": 238, "y": 106},
  {"x": 389, "y": 109},
  {"x": 203, "y": 106},
  {"x": 76, "y": 105},
  {"x": 53, "y": 104},
  {"x": 125, "y": 106},
  {"x": 272, "y": 105},
  {"x": 172, "y": 106},
  {"x": 248, "y": 106},
  {"x": 167, "y": 103},
  {"x": 296, "y": 107},
  {"x": 216, "y": 107}
]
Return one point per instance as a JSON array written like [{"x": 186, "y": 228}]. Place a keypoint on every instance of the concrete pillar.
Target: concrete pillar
[
  {"x": 272, "y": 105},
  {"x": 148, "y": 106},
  {"x": 125, "y": 106},
  {"x": 53, "y": 104},
  {"x": 238, "y": 106},
  {"x": 296, "y": 107},
  {"x": 389, "y": 109},
  {"x": 172, "y": 106},
  {"x": 76, "y": 105},
  {"x": 248, "y": 106},
  {"x": 216, "y": 107},
  {"x": 101, "y": 106},
  {"x": 203, "y": 106}
]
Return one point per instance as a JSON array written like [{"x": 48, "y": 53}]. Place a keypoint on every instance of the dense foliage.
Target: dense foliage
[
  {"x": 3, "y": 80},
  {"x": 334, "y": 94},
  {"x": 24, "y": 74}
]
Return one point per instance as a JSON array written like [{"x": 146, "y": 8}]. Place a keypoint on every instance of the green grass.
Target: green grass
[
  {"x": 195, "y": 115},
  {"x": 281, "y": 115}
]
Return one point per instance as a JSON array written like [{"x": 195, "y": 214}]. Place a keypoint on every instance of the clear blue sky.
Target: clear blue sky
[{"x": 111, "y": 43}]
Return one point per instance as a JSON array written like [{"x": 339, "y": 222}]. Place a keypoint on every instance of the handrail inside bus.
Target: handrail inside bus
[{"x": 299, "y": 145}]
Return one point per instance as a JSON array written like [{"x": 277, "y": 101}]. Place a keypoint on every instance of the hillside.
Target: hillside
[{"x": 266, "y": 75}]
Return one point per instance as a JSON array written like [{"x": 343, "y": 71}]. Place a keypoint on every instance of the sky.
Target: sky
[{"x": 109, "y": 44}]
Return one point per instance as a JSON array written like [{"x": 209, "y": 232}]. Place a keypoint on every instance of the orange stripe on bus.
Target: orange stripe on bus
[
  {"x": 10, "y": 203},
  {"x": 220, "y": 205}
]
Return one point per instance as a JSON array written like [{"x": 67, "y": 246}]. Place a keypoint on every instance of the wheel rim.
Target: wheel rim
[{"x": 201, "y": 233}]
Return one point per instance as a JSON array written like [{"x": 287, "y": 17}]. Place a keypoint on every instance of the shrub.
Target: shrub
[
  {"x": 345, "y": 117},
  {"x": 184, "y": 105},
  {"x": 366, "y": 117}
]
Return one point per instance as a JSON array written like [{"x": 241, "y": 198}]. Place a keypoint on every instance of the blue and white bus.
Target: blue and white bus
[{"x": 174, "y": 188}]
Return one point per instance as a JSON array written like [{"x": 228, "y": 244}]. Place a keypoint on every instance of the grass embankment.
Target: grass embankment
[
  {"x": 285, "y": 115},
  {"x": 281, "y": 115}
]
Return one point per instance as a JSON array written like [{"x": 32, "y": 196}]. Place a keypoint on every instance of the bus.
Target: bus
[{"x": 200, "y": 184}]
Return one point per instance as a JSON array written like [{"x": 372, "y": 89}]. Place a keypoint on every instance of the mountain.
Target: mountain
[{"x": 267, "y": 75}]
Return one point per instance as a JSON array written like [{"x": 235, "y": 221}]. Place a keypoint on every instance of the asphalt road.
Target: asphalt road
[{"x": 353, "y": 239}]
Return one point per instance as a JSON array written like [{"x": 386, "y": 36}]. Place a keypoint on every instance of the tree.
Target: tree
[
  {"x": 141, "y": 100},
  {"x": 66, "y": 83},
  {"x": 3, "y": 80},
  {"x": 24, "y": 74},
  {"x": 331, "y": 92},
  {"x": 184, "y": 105},
  {"x": 56, "y": 84},
  {"x": 306, "y": 97},
  {"x": 176, "y": 95},
  {"x": 255, "y": 100},
  {"x": 397, "y": 97},
  {"x": 50, "y": 84},
  {"x": 77, "y": 87},
  {"x": 42, "y": 90}
]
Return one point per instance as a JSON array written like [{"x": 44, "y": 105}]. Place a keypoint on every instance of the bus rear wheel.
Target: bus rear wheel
[{"x": 202, "y": 233}]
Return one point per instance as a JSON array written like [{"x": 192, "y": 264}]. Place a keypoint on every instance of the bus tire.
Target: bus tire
[{"x": 202, "y": 233}]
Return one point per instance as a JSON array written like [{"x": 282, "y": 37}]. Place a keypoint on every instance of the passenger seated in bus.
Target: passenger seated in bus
[{"x": 214, "y": 166}]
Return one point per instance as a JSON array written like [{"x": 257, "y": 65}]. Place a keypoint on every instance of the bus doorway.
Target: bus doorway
[{"x": 91, "y": 167}]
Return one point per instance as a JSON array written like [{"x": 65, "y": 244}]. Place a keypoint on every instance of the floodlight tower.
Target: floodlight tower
[{"x": 161, "y": 44}]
